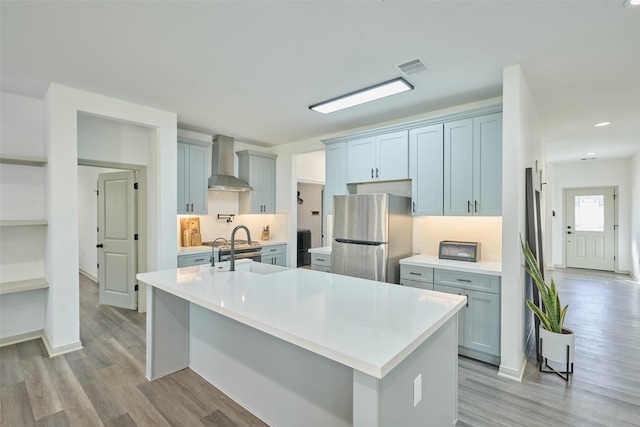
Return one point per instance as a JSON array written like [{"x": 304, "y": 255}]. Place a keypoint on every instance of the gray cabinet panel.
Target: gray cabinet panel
[
  {"x": 335, "y": 174},
  {"x": 259, "y": 171},
  {"x": 426, "y": 161},
  {"x": 194, "y": 166},
  {"x": 197, "y": 259},
  {"x": 479, "y": 321},
  {"x": 416, "y": 284}
]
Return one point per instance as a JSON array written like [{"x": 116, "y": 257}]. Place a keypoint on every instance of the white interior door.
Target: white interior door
[
  {"x": 117, "y": 260},
  {"x": 590, "y": 231}
]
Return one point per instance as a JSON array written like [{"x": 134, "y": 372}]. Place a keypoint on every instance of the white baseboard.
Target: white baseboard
[
  {"x": 514, "y": 374},
  {"x": 21, "y": 338},
  {"x": 57, "y": 351},
  {"x": 88, "y": 275}
]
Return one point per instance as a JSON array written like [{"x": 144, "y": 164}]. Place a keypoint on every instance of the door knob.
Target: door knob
[{"x": 99, "y": 245}]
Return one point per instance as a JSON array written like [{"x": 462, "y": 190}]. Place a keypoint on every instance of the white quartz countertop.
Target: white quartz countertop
[
  {"x": 325, "y": 250},
  {"x": 273, "y": 242},
  {"x": 368, "y": 326},
  {"x": 480, "y": 267},
  {"x": 193, "y": 250}
]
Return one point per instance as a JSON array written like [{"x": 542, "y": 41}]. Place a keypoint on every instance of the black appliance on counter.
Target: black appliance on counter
[{"x": 304, "y": 244}]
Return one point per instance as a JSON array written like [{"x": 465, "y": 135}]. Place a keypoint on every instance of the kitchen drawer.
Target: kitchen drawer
[
  {"x": 274, "y": 250},
  {"x": 196, "y": 259},
  {"x": 418, "y": 274},
  {"x": 416, "y": 284},
  {"x": 324, "y": 268},
  {"x": 479, "y": 282},
  {"x": 321, "y": 259}
]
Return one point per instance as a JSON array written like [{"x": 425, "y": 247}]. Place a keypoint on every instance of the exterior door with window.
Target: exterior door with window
[{"x": 590, "y": 228}]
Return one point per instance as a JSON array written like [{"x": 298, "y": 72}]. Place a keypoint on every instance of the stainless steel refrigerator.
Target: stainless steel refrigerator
[{"x": 371, "y": 233}]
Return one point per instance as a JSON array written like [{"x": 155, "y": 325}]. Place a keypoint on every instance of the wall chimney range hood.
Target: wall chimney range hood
[{"x": 222, "y": 177}]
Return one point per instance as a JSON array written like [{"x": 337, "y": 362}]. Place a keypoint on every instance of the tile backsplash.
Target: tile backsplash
[
  {"x": 224, "y": 203},
  {"x": 429, "y": 231}
]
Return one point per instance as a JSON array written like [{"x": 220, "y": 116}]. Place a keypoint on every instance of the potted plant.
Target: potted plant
[{"x": 556, "y": 342}]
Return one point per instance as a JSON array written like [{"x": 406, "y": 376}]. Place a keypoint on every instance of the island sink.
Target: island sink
[{"x": 248, "y": 265}]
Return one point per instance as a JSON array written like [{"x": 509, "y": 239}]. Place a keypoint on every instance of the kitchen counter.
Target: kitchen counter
[
  {"x": 325, "y": 250},
  {"x": 273, "y": 242},
  {"x": 480, "y": 267},
  {"x": 193, "y": 250},
  {"x": 343, "y": 333}
]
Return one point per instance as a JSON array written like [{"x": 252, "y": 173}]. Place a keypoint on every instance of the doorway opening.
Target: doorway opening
[
  {"x": 112, "y": 247},
  {"x": 590, "y": 228},
  {"x": 310, "y": 224}
]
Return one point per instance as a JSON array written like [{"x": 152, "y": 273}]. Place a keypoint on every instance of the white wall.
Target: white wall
[
  {"x": 600, "y": 173},
  {"x": 634, "y": 164},
  {"x": 522, "y": 145},
  {"x": 310, "y": 167},
  {"x": 62, "y": 107}
]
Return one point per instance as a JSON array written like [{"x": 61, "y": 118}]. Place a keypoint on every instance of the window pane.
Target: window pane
[{"x": 589, "y": 213}]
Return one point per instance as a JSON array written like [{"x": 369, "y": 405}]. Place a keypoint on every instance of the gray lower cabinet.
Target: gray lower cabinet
[
  {"x": 321, "y": 262},
  {"x": 416, "y": 277},
  {"x": 275, "y": 255},
  {"x": 479, "y": 321},
  {"x": 195, "y": 259}
]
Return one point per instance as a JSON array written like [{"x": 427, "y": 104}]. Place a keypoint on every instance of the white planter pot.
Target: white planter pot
[{"x": 554, "y": 345}]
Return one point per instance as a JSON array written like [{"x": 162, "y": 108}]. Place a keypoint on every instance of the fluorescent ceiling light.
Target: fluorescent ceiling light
[
  {"x": 632, "y": 3},
  {"x": 371, "y": 93},
  {"x": 591, "y": 154},
  {"x": 599, "y": 125}
]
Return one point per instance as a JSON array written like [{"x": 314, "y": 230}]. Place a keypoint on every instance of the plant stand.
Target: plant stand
[
  {"x": 558, "y": 347},
  {"x": 562, "y": 374}
]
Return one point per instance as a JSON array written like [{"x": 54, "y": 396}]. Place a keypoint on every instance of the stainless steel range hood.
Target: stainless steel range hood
[{"x": 222, "y": 177}]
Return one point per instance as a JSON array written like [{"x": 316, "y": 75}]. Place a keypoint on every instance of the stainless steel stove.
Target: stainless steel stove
[{"x": 243, "y": 249}]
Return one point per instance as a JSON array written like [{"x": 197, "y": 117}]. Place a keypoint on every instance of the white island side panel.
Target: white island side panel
[{"x": 367, "y": 326}]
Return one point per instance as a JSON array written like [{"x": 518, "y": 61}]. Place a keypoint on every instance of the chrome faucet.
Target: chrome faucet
[
  {"x": 232, "y": 259},
  {"x": 213, "y": 245}
]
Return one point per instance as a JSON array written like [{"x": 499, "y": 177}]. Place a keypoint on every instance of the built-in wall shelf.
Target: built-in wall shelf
[
  {"x": 22, "y": 222},
  {"x": 23, "y": 161},
  {"x": 23, "y": 285}
]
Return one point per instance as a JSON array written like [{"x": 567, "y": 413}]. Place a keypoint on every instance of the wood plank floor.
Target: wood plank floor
[{"x": 104, "y": 383}]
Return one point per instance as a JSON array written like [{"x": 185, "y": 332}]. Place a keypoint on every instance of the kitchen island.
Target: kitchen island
[{"x": 300, "y": 347}]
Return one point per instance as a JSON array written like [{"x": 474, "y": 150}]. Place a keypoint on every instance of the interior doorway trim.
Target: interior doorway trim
[
  {"x": 616, "y": 200},
  {"x": 141, "y": 176}
]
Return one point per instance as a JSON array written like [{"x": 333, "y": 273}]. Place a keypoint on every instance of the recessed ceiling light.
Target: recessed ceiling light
[
  {"x": 591, "y": 154},
  {"x": 361, "y": 96},
  {"x": 599, "y": 125},
  {"x": 632, "y": 3}
]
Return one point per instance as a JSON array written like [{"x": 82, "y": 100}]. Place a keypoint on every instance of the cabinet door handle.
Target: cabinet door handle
[
  {"x": 199, "y": 259},
  {"x": 415, "y": 274},
  {"x": 320, "y": 259},
  {"x": 414, "y": 206},
  {"x": 469, "y": 206},
  {"x": 376, "y": 172},
  {"x": 371, "y": 172},
  {"x": 100, "y": 245},
  {"x": 475, "y": 206},
  {"x": 191, "y": 207},
  {"x": 187, "y": 209},
  {"x": 464, "y": 280}
]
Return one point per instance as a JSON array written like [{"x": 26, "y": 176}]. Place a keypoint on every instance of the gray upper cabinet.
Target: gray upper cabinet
[
  {"x": 259, "y": 170},
  {"x": 378, "y": 158},
  {"x": 473, "y": 166},
  {"x": 194, "y": 168},
  {"x": 335, "y": 174},
  {"x": 426, "y": 169}
]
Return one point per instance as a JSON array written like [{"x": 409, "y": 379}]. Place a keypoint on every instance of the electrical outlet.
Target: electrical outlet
[{"x": 417, "y": 390}]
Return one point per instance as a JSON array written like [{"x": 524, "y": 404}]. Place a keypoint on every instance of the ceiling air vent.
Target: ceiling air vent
[{"x": 413, "y": 67}]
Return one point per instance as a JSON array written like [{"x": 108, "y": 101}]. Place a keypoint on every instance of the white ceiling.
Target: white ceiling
[{"x": 251, "y": 69}]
